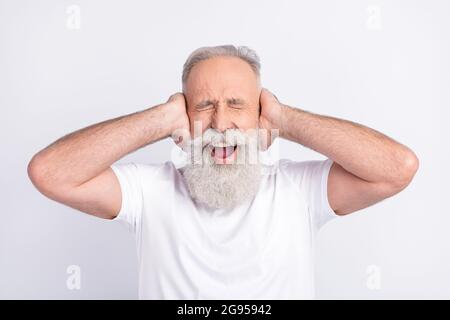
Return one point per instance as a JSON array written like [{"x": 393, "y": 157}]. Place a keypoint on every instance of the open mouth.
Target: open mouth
[{"x": 223, "y": 153}]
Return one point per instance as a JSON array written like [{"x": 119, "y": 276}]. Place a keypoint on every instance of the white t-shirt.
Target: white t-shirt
[{"x": 262, "y": 249}]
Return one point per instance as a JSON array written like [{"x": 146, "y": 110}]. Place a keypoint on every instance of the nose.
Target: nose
[{"x": 221, "y": 119}]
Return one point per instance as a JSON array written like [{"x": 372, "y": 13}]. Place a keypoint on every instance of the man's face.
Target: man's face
[{"x": 223, "y": 93}]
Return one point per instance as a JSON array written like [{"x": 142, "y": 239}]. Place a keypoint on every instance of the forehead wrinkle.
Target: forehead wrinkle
[
  {"x": 204, "y": 90},
  {"x": 201, "y": 92}
]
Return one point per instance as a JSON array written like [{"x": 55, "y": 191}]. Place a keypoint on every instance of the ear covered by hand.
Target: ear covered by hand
[
  {"x": 177, "y": 118},
  {"x": 269, "y": 118}
]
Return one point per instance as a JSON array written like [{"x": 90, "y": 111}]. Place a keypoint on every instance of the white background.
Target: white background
[{"x": 385, "y": 64}]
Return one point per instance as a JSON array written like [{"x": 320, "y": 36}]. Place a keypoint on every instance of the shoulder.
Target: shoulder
[
  {"x": 146, "y": 172},
  {"x": 304, "y": 171},
  {"x": 165, "y": 168},
  {"x": 286, "y": 165}
]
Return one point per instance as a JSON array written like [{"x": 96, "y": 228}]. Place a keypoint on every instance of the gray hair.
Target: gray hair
[{"x": 204, "y": 53}]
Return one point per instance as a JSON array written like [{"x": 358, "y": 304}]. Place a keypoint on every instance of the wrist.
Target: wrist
[
  {"x": 292, "y": 121},
  {"x": 160, "y": 120},
  {"x": 281, "y": 120}
]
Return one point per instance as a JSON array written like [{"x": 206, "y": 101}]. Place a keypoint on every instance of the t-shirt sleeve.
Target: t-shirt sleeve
[
  {"x": 312, "y": 179},
  {"x": 129, "y": 179}
]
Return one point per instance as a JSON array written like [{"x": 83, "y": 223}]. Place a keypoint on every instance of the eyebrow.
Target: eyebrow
[{"x": 236, "y": 101}]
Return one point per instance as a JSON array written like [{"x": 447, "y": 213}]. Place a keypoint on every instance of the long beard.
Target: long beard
[{"x": 222, "y": 186}]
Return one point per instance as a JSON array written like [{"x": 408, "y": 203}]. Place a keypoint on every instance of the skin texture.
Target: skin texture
[
  {"x": 75, "y": 169},
  {"x": 368, "y": 166},
  {"x": 222, "y": 93}
]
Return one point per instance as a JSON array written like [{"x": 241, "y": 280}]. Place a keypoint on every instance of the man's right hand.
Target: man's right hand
[
  {"x": 75, "y": 170},
  {"x": 177, "y": 117}
]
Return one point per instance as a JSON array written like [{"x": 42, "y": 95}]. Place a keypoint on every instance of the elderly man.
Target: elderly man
[{"x": 225, "y": 225}]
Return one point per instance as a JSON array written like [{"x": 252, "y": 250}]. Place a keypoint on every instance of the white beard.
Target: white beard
[{"x": 222, "y": 186}]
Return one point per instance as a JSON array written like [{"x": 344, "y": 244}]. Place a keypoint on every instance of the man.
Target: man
[{"x": 225, "y": 225}]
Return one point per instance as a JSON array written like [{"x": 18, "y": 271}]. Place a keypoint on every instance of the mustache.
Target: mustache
[
  {"x": 214, "y": 138},
  {"x": 199, "y": 150}
]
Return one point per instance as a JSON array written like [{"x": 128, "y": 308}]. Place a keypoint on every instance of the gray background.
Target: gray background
[{"x": 384, "y": 64}]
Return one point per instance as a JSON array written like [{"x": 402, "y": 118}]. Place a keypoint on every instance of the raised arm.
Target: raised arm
[
  {"x": 368, "y": 166},
  {"x": 75, "y": 169}
]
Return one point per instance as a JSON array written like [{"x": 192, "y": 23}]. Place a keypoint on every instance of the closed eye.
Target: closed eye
[{"x": 204, "y": 105}]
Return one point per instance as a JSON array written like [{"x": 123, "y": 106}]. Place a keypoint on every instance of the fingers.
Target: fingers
[
  {"x": 178, "y": 96},
  {"x": 182, "y": 138},
  {"x": 267, "y": 95},
  {"x": 264, "y": 139}
]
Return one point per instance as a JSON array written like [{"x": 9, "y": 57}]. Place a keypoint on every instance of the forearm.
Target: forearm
[
  {"x": 366, "y": 153},
  {"x": 83, "y": 154}
]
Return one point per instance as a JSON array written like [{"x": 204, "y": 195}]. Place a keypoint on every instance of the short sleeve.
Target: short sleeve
[
  {"x": 129, "y": 179},
  {"x": 312, "y": 179}
]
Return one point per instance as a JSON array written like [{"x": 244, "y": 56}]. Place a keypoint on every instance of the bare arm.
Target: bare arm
[
  {"x": 368, "y": 166},
  {"x": 75, "y": 169}
]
